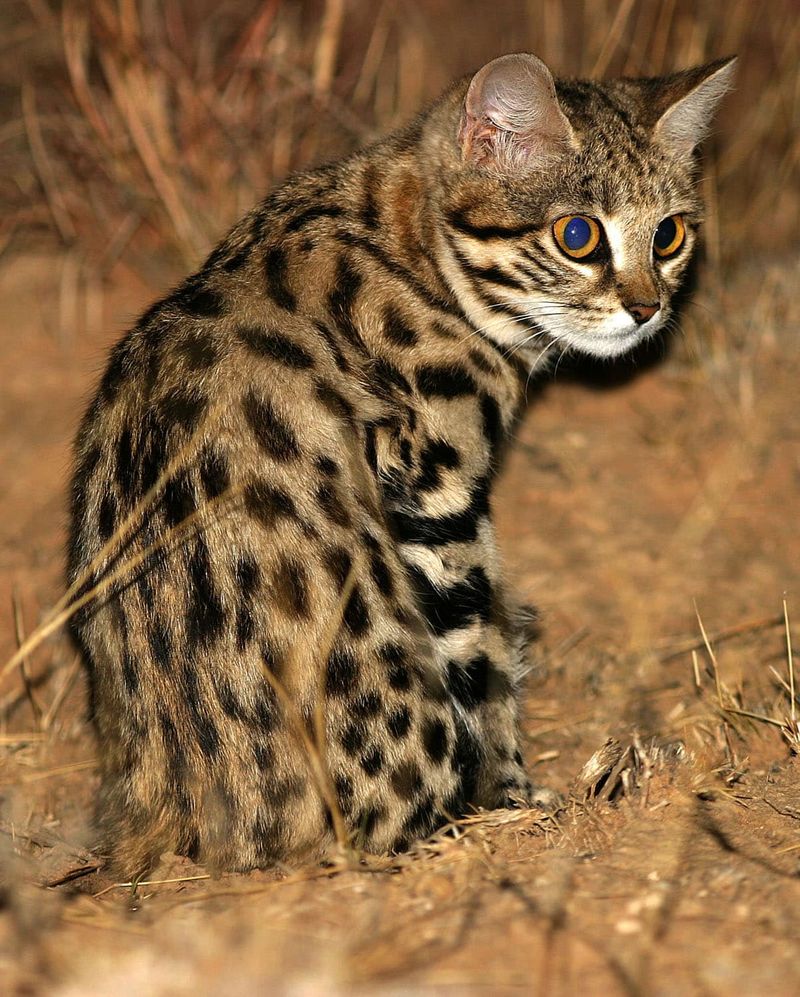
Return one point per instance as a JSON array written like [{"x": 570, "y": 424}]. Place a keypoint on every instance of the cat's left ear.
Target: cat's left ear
[{"x": 687, "y": 102}]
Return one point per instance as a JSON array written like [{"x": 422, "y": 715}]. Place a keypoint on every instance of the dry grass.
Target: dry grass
[{"x": 148, "y": 128}]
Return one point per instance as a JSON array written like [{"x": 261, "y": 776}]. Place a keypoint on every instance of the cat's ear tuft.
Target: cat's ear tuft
[
  {"x": 687, "y": 104},
  {"x": 511, "y": 117}
]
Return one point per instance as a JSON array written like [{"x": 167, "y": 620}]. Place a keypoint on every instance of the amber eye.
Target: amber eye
[
  {"x": 577, "y": 235},
  {"x": 669, "y": 236}
]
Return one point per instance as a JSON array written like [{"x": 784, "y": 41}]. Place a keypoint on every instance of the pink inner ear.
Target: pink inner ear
[{"x": 512, "y": 114}]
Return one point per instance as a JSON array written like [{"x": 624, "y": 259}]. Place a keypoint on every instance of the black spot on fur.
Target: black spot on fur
[
  {"x": 457, "y": 606},
  {"x": 228, "y": 700},
  {"x": 368, "y": 704},
  {"x": 341, "y": 673},
  {"x": 396, "y": 330},
  {"x": 117, "y": 370},
  {"x": 370, "y": 448},
  {"x": 273, "y": 345},
  {"x": 107, "y": 517},
  {"x": 342, "y": 299},
  {"x": 238, "y": 259},
  {"x": 205, "y": 616},
  {"x": 458, "y": 527},
  {"x": 199, "y": 350},
  {"x": 395, "y": 658},
  {"x": 184, "y": 407},
  {"x": 406, "y": 780},
  {"x": 356, "y": 613},
  {"x": 282, "y": 791},
  {"x": 266, "y": 711},
  {"x": 434, "y": 740},
  {"x": 331, "y": 503},
  {"x": 387, "y": 380},
  {"x": 466, "y": 762},
  {"x": 263, "y": 755},
  {"x": 445, "y": 382},
  {"x": 344, "y": 792},
  {"x": 248, "y": 576},
  {"x": 160, "y": 643},
  {"x": 379, "y": 569},
  {"x": 422, "y": 819},
  {"x": 123, "y": 465},
  {"x": 399, "y": 722},
  {"x": 336, "y": 403},
  {"x": 204, "y": 727},
  {"x": 274, "y": 436},
  {"x": 268, "y": 835},
  {"x": 483, "y": 362},
  {"x": 276, "y": 277},
  {"x": 338, "y": 562},
  {"x": 491, "y": 421},
  {"x": 199, "y": 300},
  {"x": 245, "y": 627},
  {"x": 435, "y": 455},
  {"x": 179, "y": 498},
  {"x": 368, "y": 819},
  {"x": 268, "y": 504},
  {"x": 154, "y": 449},
  {"x": 469, "y": 683},
  {"x": 290, "y": 586},
  {"x": 353, "y": 738},
  {"x": 327, "y": 466},
  {"x": 130, "y": 672},
  {"x": 370, "y": 211},
  {"x": 312, "y": 214},
  {"x": 214, "y": 473},
  {"x": 338, "y": 357},
  {"x": 372, "y": 762}
]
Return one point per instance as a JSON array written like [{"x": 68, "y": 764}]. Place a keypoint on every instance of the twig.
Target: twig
[
  {"x": 19, "y": 636},
  {"x": 695, "y": 644}
]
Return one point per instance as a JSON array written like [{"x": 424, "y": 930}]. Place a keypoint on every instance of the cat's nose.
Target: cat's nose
[{"x": 642, "y": 313}]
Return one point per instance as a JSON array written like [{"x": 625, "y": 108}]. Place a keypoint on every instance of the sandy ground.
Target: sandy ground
[{"x": 636, "y": 499}]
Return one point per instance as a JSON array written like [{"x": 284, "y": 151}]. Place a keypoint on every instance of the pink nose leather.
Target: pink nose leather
[{"x": 642, "y": 313}]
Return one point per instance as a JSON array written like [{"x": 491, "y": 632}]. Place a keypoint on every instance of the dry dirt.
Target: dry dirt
[{"x": 636, "y": 498}]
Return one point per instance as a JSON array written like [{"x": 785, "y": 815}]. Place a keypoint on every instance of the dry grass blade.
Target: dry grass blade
[
  {"x": 790, "y": 661},
  {"x": 62, "y": 693},
  {"x": 22, "y": 738},
  {"x": 316, "y": 748},
  {"x": 328, "y": 45},
  {"x": 175, "y": 534},
  {"x": 720, "y": 636},
  {"x": 612, "y": 38},
  {"x": 44, "y": 166},
  {"x": 19, "y": 635},
  {"x": 67, "y": 606},
  {"x": 59, "y": 770},
  {"x": 712, "y": 657}
]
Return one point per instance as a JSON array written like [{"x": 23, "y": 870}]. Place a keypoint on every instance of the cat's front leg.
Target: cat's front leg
[{"x": 479, "y": 649}]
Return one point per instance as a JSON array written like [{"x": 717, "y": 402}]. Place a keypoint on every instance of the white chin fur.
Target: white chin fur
[{"x": 615, "y": 340}]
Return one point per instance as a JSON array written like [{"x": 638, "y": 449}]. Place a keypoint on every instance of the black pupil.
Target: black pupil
[{"x": 665, "y": 233}]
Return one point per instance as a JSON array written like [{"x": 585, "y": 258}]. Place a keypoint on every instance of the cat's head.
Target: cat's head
[{"x": 571, "y": 208}]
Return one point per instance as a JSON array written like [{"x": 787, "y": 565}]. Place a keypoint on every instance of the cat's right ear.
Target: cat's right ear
[{"x": 511, "y": 117}]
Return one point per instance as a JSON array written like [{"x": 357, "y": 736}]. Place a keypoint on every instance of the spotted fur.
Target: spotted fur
[{"x": 283, "y": 486}]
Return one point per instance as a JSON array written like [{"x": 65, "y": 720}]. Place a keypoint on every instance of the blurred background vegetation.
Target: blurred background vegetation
[{"x": 134, "y": 132}]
